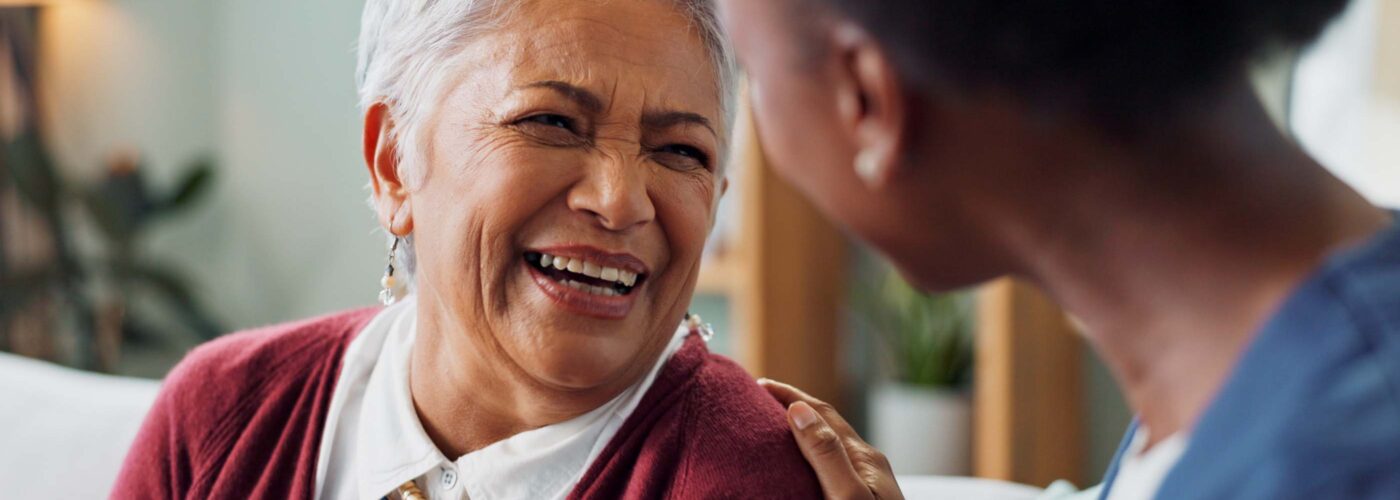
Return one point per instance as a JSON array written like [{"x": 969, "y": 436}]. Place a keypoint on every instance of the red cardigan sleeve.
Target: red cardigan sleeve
[
  {"x": 161, "y": 461},
  {"x": 741, "y": 446},
  {"x": 241, "y": 416}
]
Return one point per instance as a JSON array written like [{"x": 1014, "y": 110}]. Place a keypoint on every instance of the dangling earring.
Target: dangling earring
[
  {"x": 697, "y": 325},
  {"x": 868, "y": 167},
  {"x": 393, "y": 288}
]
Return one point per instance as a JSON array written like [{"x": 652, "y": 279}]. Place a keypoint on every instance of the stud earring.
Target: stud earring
[
  {"x": 867, "y": 167},
  {"x": 392, "y": 287},
  {"x": 697, "y": 325}
]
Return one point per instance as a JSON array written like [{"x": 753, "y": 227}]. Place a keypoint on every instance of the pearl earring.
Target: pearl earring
[
  {"x": 392, "y": 286},
  {"x": 868, "y": 167},
  {"x": 697, "y": 325}
]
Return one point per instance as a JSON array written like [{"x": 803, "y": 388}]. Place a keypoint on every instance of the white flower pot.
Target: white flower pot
[{"x": 922, "y": 430}]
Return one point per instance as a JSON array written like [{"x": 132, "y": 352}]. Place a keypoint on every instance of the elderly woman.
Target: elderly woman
[{"x": 549, "y": 171}]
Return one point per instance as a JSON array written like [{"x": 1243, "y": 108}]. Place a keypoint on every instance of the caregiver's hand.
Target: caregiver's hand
[{"x": 847, "y": 466}]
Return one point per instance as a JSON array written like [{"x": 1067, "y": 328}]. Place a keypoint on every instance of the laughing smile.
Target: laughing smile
[{"x": 585, "y": 275}]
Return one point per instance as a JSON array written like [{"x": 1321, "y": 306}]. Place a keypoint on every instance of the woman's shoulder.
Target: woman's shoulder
[
  {"x": 738, "y": 432},
  {"x": 727, "y": 394},
  {"x": 241, "y": 371},
  {"x": 263, "y": 392}
]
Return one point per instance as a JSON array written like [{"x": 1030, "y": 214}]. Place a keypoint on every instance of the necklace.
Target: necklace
[{"x": 410, "y": 491}]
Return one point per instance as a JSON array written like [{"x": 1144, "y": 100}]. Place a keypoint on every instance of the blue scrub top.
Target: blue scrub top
[{"x": 1312, "y": 410}]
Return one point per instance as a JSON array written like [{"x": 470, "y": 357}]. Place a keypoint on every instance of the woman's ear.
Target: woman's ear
[
  {"x": 381, "y": 157},
  {"x": 871, "y": 105}
]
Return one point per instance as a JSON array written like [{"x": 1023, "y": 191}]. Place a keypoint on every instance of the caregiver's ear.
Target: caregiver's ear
[
  {"x": 870, "y": 103},
  {"x": 381, "y": 157}
]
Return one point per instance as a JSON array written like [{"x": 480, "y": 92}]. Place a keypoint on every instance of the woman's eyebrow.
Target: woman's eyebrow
[
  {"x": 594, "y": 104},
  {"x": 666, "y": 119},
  {"x": 582, "y": 96}
]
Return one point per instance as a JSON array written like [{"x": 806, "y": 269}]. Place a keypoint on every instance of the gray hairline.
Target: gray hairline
[{"x": 410, "y": 80}]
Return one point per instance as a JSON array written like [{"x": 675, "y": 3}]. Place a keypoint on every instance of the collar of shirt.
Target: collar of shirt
[
  {"x": 390, "y": 446},
  {"x": 1141, "y": 471}
]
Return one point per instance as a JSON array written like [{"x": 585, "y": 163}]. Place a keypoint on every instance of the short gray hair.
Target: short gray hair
[{"x": 407, "y": 49}]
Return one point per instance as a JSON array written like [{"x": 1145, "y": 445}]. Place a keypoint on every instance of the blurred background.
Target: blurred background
[{"x": 178, "y": 169}]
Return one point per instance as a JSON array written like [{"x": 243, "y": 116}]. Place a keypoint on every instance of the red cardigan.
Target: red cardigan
[{"x": 242, "y": 416}]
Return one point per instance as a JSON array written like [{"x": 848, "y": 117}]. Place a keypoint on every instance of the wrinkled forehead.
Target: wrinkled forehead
[{"x": 637, "y": 53}]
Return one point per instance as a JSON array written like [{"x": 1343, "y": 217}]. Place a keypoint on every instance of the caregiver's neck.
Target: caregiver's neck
[{"x": 1172, "y": 256}]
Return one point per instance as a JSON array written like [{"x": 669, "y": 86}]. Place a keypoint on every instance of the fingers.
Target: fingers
[
  {"x": 826, "y": 452},
  {"x": 787, "y": 395},
  {"x": 827, "y": 437}
]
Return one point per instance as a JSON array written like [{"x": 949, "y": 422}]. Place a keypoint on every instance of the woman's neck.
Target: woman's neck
[
  {"x": 1172, "y": 277},
  {"x": 469, "y": 393}
]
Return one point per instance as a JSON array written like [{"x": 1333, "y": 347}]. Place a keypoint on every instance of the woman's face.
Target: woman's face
[{"x": 571, "y": 179}]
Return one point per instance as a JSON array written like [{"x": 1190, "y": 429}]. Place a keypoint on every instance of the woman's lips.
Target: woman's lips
[
  {"x": 580, "y": 301},
  {"x": 586, "y": 280}
]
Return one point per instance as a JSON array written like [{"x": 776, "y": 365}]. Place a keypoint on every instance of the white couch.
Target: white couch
[{"x": 63, "y": 434}]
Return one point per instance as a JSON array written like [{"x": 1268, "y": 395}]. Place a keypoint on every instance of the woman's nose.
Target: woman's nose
[{"x": 614, "y": 193}]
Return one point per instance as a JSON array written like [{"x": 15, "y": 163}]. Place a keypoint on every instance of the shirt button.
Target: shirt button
[{"x": 449, "y": 479}]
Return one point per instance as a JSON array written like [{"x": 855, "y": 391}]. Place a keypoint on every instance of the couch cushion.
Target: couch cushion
[{"x": 64, "y": 433}]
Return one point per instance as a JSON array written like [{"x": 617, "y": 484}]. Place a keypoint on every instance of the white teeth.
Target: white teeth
[
  {"x": 590, "y": 269},
  {"x": 595, "y": 290}
]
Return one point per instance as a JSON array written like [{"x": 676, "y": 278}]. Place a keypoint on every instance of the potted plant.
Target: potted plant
[
  {"x": 68, "y": 288},
  {"x": 920, "y": 415}
]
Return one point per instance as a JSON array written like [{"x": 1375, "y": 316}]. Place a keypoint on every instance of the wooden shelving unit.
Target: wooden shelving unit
[
  {"x": 718, "y": 275},
  {"x": 1028, "y": 409},
  {"x": 783, "y": 275}
]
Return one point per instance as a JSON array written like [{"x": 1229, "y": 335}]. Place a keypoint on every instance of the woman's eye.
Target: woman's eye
[
  {"x": 683, "y": 157},
  {"x": 551, "y": 120},
  {"x": 552, "y": 130}
]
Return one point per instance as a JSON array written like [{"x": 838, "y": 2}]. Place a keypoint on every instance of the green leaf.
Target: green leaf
[
  {"x": 171, "y": 288},
  {"x": 194, "y": 185},
  {"x": 113, "y": 219},
  {"x": 928, "y": 337}
]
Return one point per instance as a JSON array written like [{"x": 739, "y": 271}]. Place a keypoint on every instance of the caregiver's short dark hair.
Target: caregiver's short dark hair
[{"x": 1113, "y": 58}]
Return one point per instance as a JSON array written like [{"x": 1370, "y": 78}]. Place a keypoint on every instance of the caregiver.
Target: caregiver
[{"x": 1114, "y": 154}]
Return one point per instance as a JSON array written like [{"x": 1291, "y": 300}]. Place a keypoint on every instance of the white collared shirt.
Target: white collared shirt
[
  {"x": 1140, "y": 474},
  {"x": 373, "y": 441}
]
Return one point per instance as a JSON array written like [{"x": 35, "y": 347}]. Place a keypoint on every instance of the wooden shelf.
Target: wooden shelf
[
  {"x": 787, "y": 316},
  {"x": 1028, "y": 402},
  {"x": 719, "y": 275}
]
